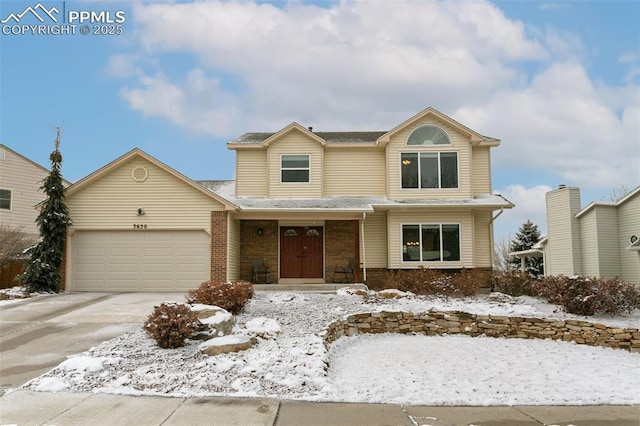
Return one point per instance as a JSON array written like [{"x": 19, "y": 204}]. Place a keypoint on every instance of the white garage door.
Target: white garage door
[{"x": 139, "y": 260}]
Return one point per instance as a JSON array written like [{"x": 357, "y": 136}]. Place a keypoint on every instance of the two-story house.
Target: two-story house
[
  {"x": 305, "y": 203},
  {"x": 20, "y": 182}
]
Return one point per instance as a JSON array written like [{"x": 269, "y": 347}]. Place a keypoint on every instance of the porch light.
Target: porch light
[
  {"x": 140, "y": 211},
  {"x": 260, "y": 231}
]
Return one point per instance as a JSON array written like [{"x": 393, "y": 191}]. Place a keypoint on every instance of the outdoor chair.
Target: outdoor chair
[
  {"x": 346, "y": 272},
  {"x": 258, "y": 270}
]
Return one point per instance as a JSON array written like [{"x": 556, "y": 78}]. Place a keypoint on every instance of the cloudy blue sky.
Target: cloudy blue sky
[{"x": 557, "y": 82}]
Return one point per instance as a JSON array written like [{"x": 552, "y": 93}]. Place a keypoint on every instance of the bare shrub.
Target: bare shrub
[
  {"x": 431, "y": 282},
  {"x": 170, "y": 324},
  {"x": 513, "y": 283},
  {"x": 13, "y": 243},
  {"x": 232, "y": 296},
  {"x": 588, "y": 296}
]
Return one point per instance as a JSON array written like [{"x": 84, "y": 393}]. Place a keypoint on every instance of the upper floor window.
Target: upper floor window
[
  {"x": 5, "y": 199},
  {"x": 428, "y": 135},
  {"x": 294, "y": 168},
  {"x": 431, "y": 243},
  {"x": 429, "y": 169}
]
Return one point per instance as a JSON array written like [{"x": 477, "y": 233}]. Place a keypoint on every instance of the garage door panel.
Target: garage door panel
[
  {"x": 124, "y": 267},
  {"x": 158, "y": 251},
  {"x": 91, "y": 267},
  {"x": 124, "y": 251},
  {"x": 139, "y": 260}
]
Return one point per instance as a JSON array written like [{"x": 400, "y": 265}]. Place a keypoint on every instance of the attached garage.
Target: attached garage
[{"x": 139, "y": 260}]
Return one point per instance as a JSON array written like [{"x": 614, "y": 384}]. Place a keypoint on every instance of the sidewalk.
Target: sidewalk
[{"x": 22, "y": 407}]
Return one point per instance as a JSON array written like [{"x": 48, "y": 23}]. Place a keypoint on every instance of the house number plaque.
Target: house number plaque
[{"x": 139, "y": 226}]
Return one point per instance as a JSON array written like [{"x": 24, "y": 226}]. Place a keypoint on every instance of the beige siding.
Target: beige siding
[
  {"x": 460, "y": 144},
  {"x": 608, "y": 243},
  {"x": 295, "y": 142},
  {"x": 590, "y": 258},
  {"x": 354, "y": 172},
  {"x": 375, "y": 241},
  {"x": 394, "y": 236},
  {"x": 481, "y": 171},
  {"x": 233, "y": 251},
  {"x": 564, "y": 254},
  {"x": 112, "y": 201},
  {"x": 482, "y": 239},
  {"x": 629, "y": 224},
  {"x": 23, "y": 179},
  {"x": 251, "y": 173}
]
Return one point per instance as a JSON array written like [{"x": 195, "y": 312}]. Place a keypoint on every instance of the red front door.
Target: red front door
[{"x": 301, "y": 252}]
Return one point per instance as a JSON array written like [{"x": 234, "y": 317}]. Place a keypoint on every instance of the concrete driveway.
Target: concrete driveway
[{"x": 38, "y": 334}]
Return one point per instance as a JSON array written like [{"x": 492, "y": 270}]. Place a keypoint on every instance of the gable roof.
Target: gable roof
[
  {"x": 633, "y": 193},
  {"x": 265, "y": 139},
  {"x": 330, "y": 138},
  {"x": 33, "y": 163},
  {"x": 476, "y": 138},
  {"x": 136, "y": 152},
  {"x": 345, "y": 139}
]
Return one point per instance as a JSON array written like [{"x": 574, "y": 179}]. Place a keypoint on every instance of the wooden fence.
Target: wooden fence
[{"x": 9, "y": 271}]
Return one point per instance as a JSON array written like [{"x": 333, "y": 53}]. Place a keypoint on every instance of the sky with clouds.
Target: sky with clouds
[{"x": 557, "y": 82}]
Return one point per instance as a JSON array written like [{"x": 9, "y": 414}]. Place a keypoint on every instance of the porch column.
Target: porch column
[{"x": 219, "y": 246}]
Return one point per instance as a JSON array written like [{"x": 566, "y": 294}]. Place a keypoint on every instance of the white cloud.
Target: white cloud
[
  {"x": 368, "y": 65},
  {"x": 322, "y": 65},
  {"x": 559, "y": 124},
  {"x": 530, "y": 205}
]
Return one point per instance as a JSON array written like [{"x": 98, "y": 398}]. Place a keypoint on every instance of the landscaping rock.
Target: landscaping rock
[
  {"x": 226, "y": 344},
  {"x": 216, "y": 322},
  {"x": 263, "y": 328},
  {"x": 395, "y": 294}
]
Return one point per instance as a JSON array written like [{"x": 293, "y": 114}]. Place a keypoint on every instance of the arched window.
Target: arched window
[
  {"x": 313, "y": 233},
  {"x": 428, "y": 135}
]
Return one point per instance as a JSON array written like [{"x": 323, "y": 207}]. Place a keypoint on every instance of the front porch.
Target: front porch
[{"x": 315, "y": 259}]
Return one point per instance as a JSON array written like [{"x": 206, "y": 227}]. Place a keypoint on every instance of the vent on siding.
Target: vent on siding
[
  {"x": 139, "y": 174},
  {"x": 1, "y": 154}
]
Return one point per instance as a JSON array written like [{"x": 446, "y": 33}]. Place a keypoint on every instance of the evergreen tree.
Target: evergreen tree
[
  {"x": 42, "y": 273},
  {"x": 527, "y": 236}
]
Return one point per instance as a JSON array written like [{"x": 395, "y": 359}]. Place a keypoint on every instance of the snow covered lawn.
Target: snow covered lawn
[{"x": 404, "y": 369}]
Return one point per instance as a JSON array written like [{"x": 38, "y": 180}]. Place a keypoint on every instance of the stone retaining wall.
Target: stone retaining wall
[{"x": 435, "y": 323}]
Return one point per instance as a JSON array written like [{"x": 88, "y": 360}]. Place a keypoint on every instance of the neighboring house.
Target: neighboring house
[
  {"x": 600, "y": 240},
  {"x": 303, "y": 202},
  {"x": 20, "y": 182}
]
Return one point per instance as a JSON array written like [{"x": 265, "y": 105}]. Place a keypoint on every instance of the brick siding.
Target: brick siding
[
  {"x": 256, "y": 246},
  {"x": 219, "y": 223}
]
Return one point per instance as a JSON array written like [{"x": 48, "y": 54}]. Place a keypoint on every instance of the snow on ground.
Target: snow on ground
[{"x": 404, "y": 369}]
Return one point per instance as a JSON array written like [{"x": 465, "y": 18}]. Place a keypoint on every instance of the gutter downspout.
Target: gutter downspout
[
  {"x": 364, "y": 257},
  {"x": 493, "y": 242},
  {"x": 496, "y": 216}
]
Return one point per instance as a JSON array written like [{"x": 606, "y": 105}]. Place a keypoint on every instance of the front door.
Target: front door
[{"x": 301, "y": 252}]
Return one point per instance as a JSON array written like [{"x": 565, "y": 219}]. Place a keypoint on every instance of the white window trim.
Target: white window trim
[
  {"x": 406, "y": 142},
  {"x": 422, "y": 262},
  {"x": 10, "y": 200},
  {"x": 302, "y": 168},
  {"x": 438, "y": 151}
]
